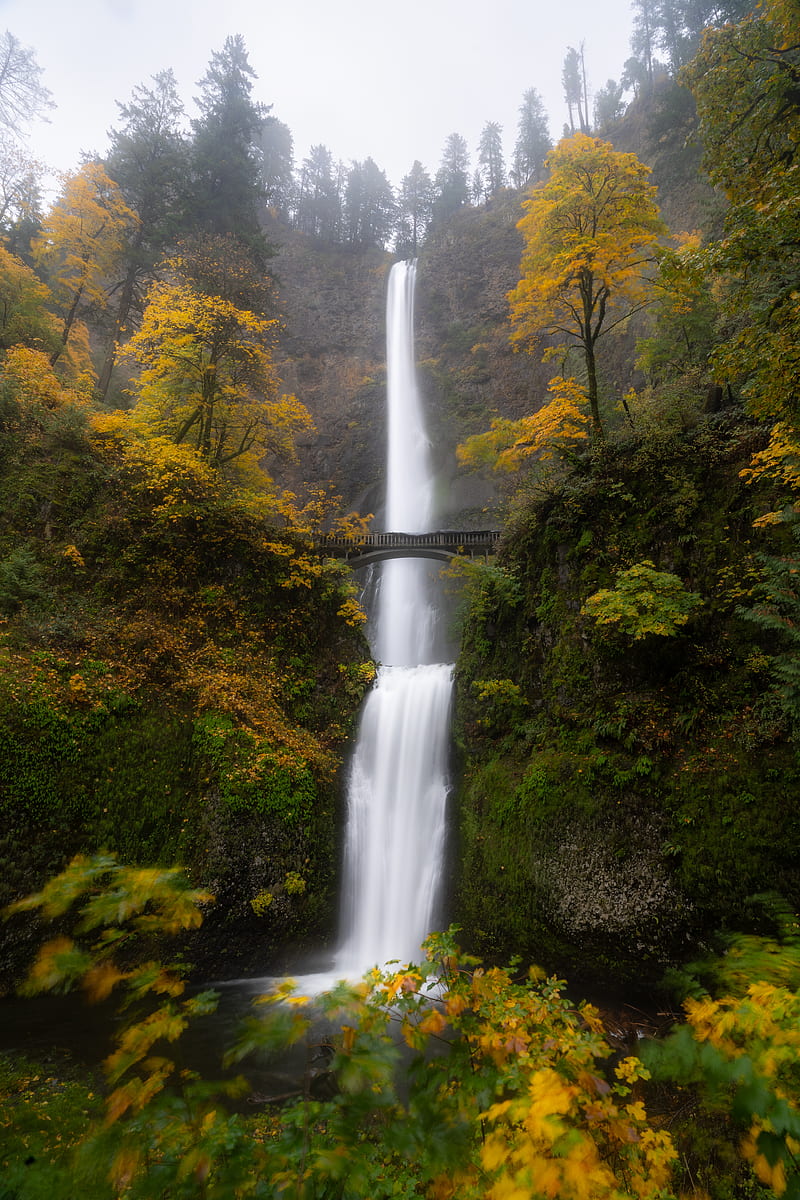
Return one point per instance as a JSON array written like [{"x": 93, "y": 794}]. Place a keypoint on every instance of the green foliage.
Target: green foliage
[
  {"x": 225, "y": 181},
  {"x": 47, "y": 1109},
  {"x": 147, "y": 600},
  {"x": 516, "y": 1095},
  {"x": 739, "y": 1049},
  {"x": 643, "y": 601},
  {"x": 501, "y": 701},
  {"x": 491, "y": 591},
  {"x": 508, "y": 1088},
  {"x": 777, "y": 611},
  {"x": 629, "y": 807},
  {"x": 253, "y": 773},
  {"x": 743, "y": 82},
  {"x": 21, "y": 580}
]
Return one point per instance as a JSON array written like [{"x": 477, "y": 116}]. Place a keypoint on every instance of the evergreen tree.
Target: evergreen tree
[
  {"x": 414, "y": 209},
  {"x": 676, "y": 27},
  {"x": 533, "y": 141},
  {"x": 227, "y": 188},
  {"x": 369, "y": 206},
  {"x": 608, "y": 105},
  {"x": 148, "y": 160},
  {"x": 452, "y": 178},
  {"x": 491, "y": 165},
  {"x": 319, "y": 205},
  {"x": 641, "y": 70},
  {"x": 277, "y": 165},
  {"x": 20, "y": 199},
  {"x": 573, "y": 78},
  {"x": 671, "y": 33}
]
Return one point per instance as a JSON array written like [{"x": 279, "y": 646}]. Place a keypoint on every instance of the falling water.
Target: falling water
[{"x": 398, "y": 779}]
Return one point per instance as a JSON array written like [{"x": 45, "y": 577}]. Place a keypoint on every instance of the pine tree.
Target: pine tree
[
  {"x": 227, "y": 187},
  {"x": 319, "y": 204},
  {"x": 573, "y": 78},
  {"x": 277, "y": 165},
  {"x": 414, "y": 209},
  {"x": 643, "y": 44},
  {"x": 369, "y": 205},
  {"x": 533, "y": 141},
  {"x": 491, "y": 164},
  {"x": 452, "y": 178},
  {"x": 148, "y": 160},
  {"x": 608, "y": 105}
]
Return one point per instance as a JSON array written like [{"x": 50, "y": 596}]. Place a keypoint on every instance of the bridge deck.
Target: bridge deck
[{"x": 442, "y": 544}]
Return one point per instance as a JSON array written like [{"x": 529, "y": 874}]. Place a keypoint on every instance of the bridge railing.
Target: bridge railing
[{"x": 446, "y": 539}]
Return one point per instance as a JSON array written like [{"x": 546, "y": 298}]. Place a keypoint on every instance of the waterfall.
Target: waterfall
[{"x": 398, "y": 780}]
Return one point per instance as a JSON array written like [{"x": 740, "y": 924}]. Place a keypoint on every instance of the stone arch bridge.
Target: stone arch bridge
[{"x": 442, "y": 545}]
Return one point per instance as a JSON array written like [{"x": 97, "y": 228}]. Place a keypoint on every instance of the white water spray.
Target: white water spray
[{"x": 398, "y": 780}]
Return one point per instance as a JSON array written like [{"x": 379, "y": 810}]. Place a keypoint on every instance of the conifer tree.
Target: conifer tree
[
  {"x": 277, "y": 165},
  {"x": 452, "y": 178},
  {"x": 608, "y": 105},
  {"x": 148, "y": 160},
  {"x": 491, "y": 164},
  {"x": 369, "y": 205},
  {"x": 319, "y": 205},
  {"x": 415, "y": 206},
  {"x": 573, "y": 78},
  {"x": 533, "y": 141},
  {"x": 227, "y": 188},
  {"x": 643, "y": 45}
]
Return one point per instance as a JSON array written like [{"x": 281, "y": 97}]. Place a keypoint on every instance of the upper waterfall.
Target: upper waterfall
[
  {"x": 409, "y": 483},
  {"x": 406, "y": 617}
]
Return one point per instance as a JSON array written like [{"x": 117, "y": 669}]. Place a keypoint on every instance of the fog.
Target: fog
[{"x": 365, "y": 78}]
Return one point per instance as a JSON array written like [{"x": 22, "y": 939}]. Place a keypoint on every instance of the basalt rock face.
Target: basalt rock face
[
  {"x": 333, "y": 357},
  {"x": 332, "y": 354}
]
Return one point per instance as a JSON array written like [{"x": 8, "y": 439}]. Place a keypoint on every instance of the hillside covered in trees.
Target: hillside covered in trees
[{"x": 191, "y": 372}]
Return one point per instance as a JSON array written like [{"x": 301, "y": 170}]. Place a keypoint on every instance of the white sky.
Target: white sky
[{"x": 363, "y": 77}]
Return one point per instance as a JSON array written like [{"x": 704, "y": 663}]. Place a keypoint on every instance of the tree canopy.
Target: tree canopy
[
  {"x": 207, "y": 378},
  {"x": 82, "y": 243},
  {"x": 227, "y": 184},
  {"x": 23, "y": 97},
  {"x": 745, "y": 82},
  {"x": 591, "y": 235}
]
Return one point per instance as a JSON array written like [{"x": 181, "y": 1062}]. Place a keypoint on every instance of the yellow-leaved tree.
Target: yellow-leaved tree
[
  {"x": 552, "y": 429},
  {"x": 81, "y": 244},
  {"x": 207, "y": 378},
  {"x": 591, "y": 240},
  {"x": 24, "y": 319}
]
